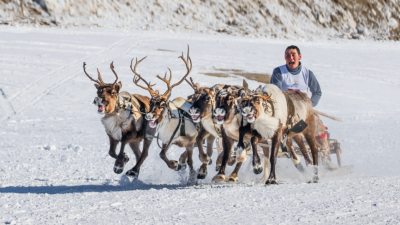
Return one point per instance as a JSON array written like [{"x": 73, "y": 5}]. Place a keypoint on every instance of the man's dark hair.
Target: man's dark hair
[{"x": 293, "y": 47}]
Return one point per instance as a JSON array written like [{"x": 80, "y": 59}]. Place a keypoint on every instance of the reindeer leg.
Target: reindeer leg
[
  {"x": 300, "y": 143},
  {"x": 136, "y": 150},
  {"x": 266, "y": 163},
  {"x": 204, "y": 158},
  {"x": 309, "y": 134},
  {"x": 172, "y": 164},
  {"x": 120, "y": 162},
  {"x": 233, "y": 178},
  {"x": 134, "y": 172},
  {"x": 276, "y": 140},
  {"x": 192, "y": 173},
  {"x": 257, "y": 165},
  {"x": 219, "y": 161},
  {"x": 295, "y": 158},
  {"x": 227, "y": 146},
  {"x": 240, "y": 153},
  {"x": 113, "y": 147},
  {"x": 183, "y": 160},
  {"x": 210, "y": 143},
  {"x": 202, "y": 173}
]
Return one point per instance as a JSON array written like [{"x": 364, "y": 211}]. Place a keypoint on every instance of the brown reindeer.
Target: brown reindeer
[
  {"x": 227, "y": 114},
  {"x": 273, "y": 113},
  {"x": 122, "y": 120},
  {"x": 201, "y": 111},
  {"x": 162, "y": 116}
]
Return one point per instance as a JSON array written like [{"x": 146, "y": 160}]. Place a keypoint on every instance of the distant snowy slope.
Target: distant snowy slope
[{"x": 378, "y": 19}]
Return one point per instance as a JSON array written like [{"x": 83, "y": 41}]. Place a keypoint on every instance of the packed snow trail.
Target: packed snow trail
[{"x": 54, "y": 163}]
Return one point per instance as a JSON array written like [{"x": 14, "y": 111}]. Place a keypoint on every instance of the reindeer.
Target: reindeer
[
  {"x": 123, "y": 121},
  {"x": 203, "y": 104},
  {"x": 288, "y": 108},
  {"x": 228, "y": 116},
  {"x": 162, "y": 117},
  {"x": 321, "y": 139}
]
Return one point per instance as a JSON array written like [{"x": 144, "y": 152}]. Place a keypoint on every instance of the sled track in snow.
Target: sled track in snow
[
  {"x": 46, "y": 89},
  {"x": 8, "y": 108}
]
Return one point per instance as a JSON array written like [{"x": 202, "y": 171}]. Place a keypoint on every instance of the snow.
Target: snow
[{"x": 54, "y": 163}]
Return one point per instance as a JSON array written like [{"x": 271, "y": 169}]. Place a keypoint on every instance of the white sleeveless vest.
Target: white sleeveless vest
[{"x": 297, "y": 82}]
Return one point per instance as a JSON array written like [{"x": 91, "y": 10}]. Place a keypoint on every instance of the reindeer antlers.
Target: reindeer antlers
[
  {"x": 112, "y": 68},
  {"x": 192, "y": 84},
  {"x": 137, "y": 78},
  {"x": 100, "y": 80},
  {"x": 188, "y": 67},
  {"x": 166, "y": 95}
]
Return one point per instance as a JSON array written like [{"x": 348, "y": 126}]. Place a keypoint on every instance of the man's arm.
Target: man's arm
[
  {"x": 314, "y": 88},
  {"x": 276, "y": 78}
]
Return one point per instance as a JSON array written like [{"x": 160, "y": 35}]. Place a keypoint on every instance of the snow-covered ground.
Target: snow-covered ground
[{"x": 54, "y": 163}]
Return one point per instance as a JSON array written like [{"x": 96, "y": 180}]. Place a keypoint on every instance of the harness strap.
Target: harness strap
[{"x": 173, "y": 134}]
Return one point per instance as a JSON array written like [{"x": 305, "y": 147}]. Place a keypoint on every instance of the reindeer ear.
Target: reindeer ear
[
  {"x": 217, "y": 88},
  {"x": 97, "y": 86},
  {"x": 258, "y": 90},
  {"x": 118, "y": 86},
  {"x": 245, "y": 85},
  {"x": 197, "y": 85}
]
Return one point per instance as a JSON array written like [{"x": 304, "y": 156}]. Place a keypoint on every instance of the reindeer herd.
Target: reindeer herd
[{"x": 232, "y": 113}]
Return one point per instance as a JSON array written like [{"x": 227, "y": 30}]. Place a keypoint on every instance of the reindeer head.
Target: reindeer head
[
  {"x": 254, "y": 104},
  {"x": 202, "y": 102},
  {"x": 106, "y": 93},
  {"x": 158, "y": 103},
  {"x": 226, "y": 102}
]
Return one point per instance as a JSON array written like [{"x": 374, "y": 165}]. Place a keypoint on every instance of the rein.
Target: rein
[{"x": 181, "y": 122}]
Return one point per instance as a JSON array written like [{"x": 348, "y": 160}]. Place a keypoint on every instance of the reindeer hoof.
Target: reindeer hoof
[
  {"x": 314, "y": 180},
  {"x": 219, "y": 178},
  {"x": 201, "y": 174},
  {"x": 118, "y": 169},
  {"x": 232, "y": 180},
  {"x": 126, "y": 158},
  {"x": 210, "y": 162},
  {"x": 257, "y": 169},
  {"x": 183, "y": 167},
  {"x": 271, "y": 182},
  {"x": 132, "y": 174},
  {"x": 217, "y": 168},
  {"x": 206, "y": 159},
  {"x": 176, "y": 167}
]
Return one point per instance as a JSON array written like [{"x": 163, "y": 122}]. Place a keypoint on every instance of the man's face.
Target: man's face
[{"x": 292, "y": 58}]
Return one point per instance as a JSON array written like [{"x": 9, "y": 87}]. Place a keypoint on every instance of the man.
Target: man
[{"x": 295, "y": 76}]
